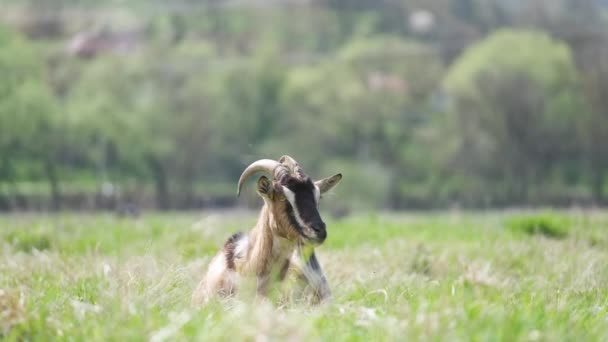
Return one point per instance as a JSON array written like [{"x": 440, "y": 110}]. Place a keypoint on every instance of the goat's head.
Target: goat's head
[{"x": 292, "y": 196}]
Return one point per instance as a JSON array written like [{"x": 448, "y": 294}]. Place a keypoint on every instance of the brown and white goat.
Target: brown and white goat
[{"x": 282, "y": 242}]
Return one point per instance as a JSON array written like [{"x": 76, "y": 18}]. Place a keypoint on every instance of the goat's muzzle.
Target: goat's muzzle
[{"x": 320, "y": 231}]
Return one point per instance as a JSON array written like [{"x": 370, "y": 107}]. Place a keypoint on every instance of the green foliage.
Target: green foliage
[
  {"x": 515, "y": 108},
  {"x": 507, "y": 50},
  {"x": 26, "y": 102},
  {"x": 28, "y": 241},
  {"x": 367, "y": 103},
  {"x": 365, "y": 185},
  {"x": 547, "y": 224},
  {"x": 176, "y": 102},
  {"x": 30, "y": 121}
]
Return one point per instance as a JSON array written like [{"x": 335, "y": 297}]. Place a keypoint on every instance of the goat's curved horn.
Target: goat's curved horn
[
  {"x": 262, "y": 165},
  {"x": 292, "y": 165}
]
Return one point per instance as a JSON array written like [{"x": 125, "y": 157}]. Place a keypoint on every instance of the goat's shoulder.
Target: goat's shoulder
[{"x": 234, "y": 238}]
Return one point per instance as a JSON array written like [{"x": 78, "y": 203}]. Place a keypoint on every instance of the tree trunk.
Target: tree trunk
[
  {"x": 188, "y": 199},
  {"x": 6, "y": 176},
  {"x": 163, "y": 200},
  {"x": 51, "y": 176},
  {"x": 597, "y": 185}
]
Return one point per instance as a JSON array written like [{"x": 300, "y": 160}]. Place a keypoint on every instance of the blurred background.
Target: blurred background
[{"x": 421, "y": 104}]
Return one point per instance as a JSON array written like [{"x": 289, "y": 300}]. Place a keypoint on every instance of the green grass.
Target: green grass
[
  {"x": 435, "y": 276},
  {"x": 547, "y": 224}
]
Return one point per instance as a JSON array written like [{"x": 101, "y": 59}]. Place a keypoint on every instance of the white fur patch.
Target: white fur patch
[
  {"x": 317, "y": 194},
  {"x": 217, "y": 266},
  {"x": 291, "y": 197},
  {"x": 241, "y": 247}
]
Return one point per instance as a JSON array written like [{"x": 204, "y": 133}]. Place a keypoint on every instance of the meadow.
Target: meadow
[{"x": 442, "y": 276}]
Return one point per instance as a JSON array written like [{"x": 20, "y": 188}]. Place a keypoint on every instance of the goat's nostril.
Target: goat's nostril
[
  {"x": 322, "y": 234},
  {"x": 318, "y": 227}
]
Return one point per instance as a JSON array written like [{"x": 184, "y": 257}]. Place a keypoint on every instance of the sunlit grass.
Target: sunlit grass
[{"x": 439, "y": 276}]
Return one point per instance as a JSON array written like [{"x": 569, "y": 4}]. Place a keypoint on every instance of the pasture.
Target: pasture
[{"x": 444, "y": 276}]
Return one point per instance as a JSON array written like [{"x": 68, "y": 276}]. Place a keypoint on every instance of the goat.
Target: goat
[{"x": 282, "y": 241}]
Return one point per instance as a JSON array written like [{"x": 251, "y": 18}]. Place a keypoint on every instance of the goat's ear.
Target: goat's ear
[
  {"x": 264, "y": 187},
  {"x": 326, "y": 184}
]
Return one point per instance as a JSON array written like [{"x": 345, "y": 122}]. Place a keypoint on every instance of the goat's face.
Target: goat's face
[
  {"x": 302, "y": 198},
  {"x": 293, "y": 198},
  {"x": 297, "y": 199}
]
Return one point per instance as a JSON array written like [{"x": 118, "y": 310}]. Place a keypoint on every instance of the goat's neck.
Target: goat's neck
[{"x": 268, "y": 248}]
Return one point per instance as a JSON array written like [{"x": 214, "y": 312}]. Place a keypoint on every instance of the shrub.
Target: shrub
[
  {"x": 28, "y": 241},
  {"x": 548, "y": 225}
]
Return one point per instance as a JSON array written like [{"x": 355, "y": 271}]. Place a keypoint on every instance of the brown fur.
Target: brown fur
[{"x": 229, "y": 250}]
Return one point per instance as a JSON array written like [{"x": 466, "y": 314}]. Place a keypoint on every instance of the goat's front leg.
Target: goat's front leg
[
  {"x": 309, "y": 271},
  {"x": 262, "y": 285}
]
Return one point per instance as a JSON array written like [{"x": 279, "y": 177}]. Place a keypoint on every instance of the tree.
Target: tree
[
  {"x": 515, "y": 100},
  {"x": 364, "y": 105},
  {"x": 591, "y": 55},
  {"x": 120, "y": 114},
  {"x": 30, "y": 121},
  {"x": 148, "y": 118},
  {"x": 390, "y": 16},
  {"x": 245, "y": 100}
]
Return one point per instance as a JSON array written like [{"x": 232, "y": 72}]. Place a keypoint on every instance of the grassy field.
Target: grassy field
[{"x": 501, "y": 276}]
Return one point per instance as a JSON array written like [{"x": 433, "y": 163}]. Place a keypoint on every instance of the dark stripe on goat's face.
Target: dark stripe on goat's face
[
  {"x": 229, "y": 248},
  {"x": 305, "y": 201}
]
